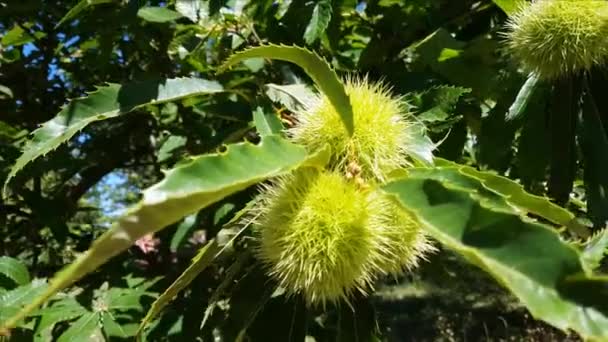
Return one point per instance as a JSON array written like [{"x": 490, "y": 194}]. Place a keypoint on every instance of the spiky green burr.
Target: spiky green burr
[
  {"x": 558, "y": 38},
  {"x": 328, "y": 234},
  {"x": 380, "y": 139},
  {"x": 314, "y": 235}
]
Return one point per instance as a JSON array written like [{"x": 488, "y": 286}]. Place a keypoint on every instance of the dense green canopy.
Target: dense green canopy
[{"x": 146, "y": 126}]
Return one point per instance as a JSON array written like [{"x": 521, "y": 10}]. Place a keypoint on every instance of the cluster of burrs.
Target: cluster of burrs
[{"x": 330, "y": 233}]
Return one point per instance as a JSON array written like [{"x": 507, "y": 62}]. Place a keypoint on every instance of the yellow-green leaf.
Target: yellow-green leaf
[
  {"x": 184, "y": 190},
  {"x": 318, "y": 69},
  {"x": 158, "y": 14},
  {"x": 512, "y": 192},
  {"x": 80, "y": 6},
  {"x": 14, "y": 270},
  {"x": 510, "y": 6},
  {"x": 106, "y": 102},
  {"x": 321, "y": 15},
  {"x": 528, "y": 258}
]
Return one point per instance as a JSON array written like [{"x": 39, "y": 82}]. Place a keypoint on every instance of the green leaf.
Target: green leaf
[
  {"x": 282, "y": 8},
  {"x": 453, "y": 177},
  {"x": 158, "y": 14},
  {"x": 512, "y": 192},
  {"x": 10, "y": 56},
  {"x": 200, "y": 262},
  {"x": 510, "y": 6},
  {"x": 6, "y": 91},
  {"x": 86, "y": 328},
  {"x": 81, "y": 6},
  {"x": 63, "y": 310},
  {"x": 194, "y": 10},
  {"x": 221, "y": 214},
  {"x": 458, "y": 62},
  {"x": 14, "y": 270},
  {"x": 105, "y": 103},
  {"x": 254, "y": 64},
  {"x": 17, "y": 36},
  {"x": 180, "y": 233},
  {"x": 111, "y": 327},
  {"x": 9, "y": 132},
  {"x": 266, "y": 123},
  {"x": 12, "y": 301},
  {"x": 516, "y": 195},
  {"x": 319, "y": 70},
  {"x": 524, "y": 96},
  {"x": 295, "y": 97},
  {"x": 594, "y": 145},
  {"x": 186, "y": 189},
  {"x": 594, "y": 251},
  {"x": 420, "y": 147},
  {"x": 168, "y": 148},
  {"x": 122, "y": 299},
  {"x": 530, "y": 259},
  {"x": 439, "y": 102},
  {"x": 321, "y": 15}
]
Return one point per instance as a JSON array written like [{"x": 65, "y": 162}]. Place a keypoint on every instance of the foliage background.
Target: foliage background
[{"x": 446, "y": 57}]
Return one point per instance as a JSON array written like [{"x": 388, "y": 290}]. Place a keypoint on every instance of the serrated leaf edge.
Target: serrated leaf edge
[{"x": 347, "y": 117}]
